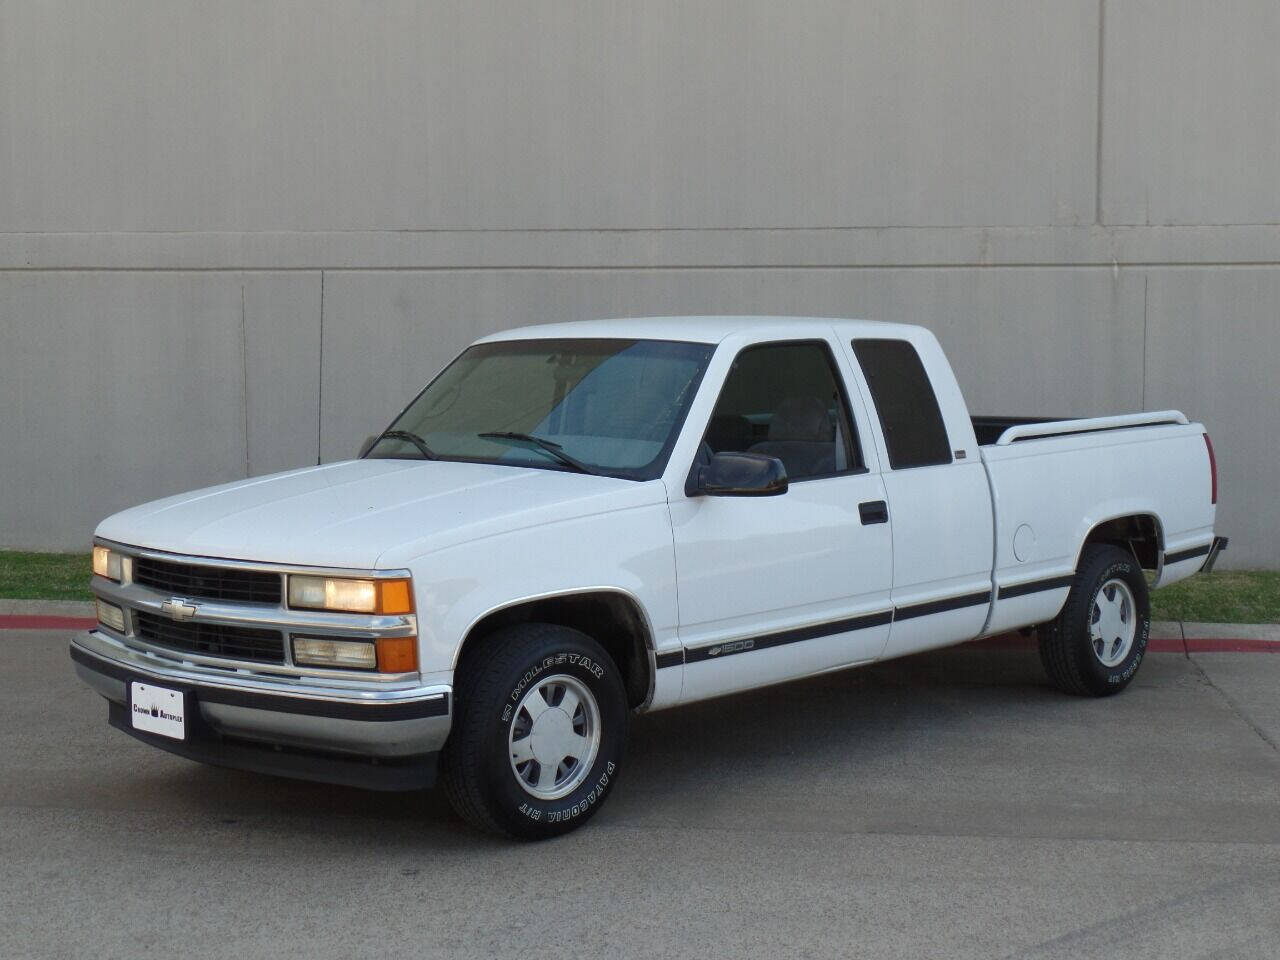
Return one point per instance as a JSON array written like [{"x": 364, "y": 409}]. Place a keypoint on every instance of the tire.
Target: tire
[
  {"x": 1109, "y": 588},
  {"x": 511, "y": 722}
]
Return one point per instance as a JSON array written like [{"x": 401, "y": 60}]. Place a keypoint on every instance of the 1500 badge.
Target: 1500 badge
[{"x": 726, "y": 648}]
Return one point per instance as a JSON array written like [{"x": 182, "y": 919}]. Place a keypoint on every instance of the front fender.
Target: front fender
[{"x": 629, "y": 551}]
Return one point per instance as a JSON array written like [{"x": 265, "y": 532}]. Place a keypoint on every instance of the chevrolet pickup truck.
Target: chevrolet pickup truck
[{"x": 575, "y": 523}]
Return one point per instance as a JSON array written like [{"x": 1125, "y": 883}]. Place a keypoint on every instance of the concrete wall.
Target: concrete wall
[{"x": 236, "y": 237}]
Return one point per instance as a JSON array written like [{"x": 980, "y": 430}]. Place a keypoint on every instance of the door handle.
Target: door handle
[{"x": 873, "y": 511}]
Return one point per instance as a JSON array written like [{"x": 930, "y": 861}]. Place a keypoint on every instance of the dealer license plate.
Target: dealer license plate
[{"x": 158, "y": 710}]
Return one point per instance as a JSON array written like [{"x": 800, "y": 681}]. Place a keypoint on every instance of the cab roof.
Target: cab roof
[{"x": 700, "y": 329}]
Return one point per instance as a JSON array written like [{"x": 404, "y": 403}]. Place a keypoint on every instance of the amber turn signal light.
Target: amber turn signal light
[
  {"x": 397, "y": 654},
  {"x": 394, "y": 596}
]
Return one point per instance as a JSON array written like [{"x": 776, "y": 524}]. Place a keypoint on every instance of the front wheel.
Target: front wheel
[
  {"x": 1097, "y": 643},
  {"x": 538, "y": 732}
]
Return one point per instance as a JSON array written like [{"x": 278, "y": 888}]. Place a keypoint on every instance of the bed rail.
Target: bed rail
[{"x": 1057, "y": 428}]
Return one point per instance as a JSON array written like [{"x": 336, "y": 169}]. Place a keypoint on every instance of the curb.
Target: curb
[
  {"x": 1174, "y": 636},
  {"x": 1221, "y": 637},
  {"x": 1250, "y": 631},
  {"x": 47, "y": 608},
  {"x": 15, "y": 621},
  {"x": 46, "y": 614}
]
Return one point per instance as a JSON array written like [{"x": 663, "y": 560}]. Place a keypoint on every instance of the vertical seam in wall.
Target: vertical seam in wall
[
  {"x": 1146, "y": 279},
  {"x": 1097, "y": 169},
  {"x": 244, "y": 383},
  {"x": 320, "y": 377}
]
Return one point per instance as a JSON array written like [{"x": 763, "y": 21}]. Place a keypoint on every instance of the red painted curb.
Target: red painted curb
[
  {"x": 1166, "y": 645},
  {"x": 19, "y": 621},
  {"x": 1232, "y": 645}
]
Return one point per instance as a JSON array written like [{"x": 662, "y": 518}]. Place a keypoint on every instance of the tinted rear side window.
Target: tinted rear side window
[{"x": 904, "y": 398}]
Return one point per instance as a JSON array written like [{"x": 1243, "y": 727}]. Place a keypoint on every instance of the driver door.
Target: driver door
[{"x": 776, "y": 587}]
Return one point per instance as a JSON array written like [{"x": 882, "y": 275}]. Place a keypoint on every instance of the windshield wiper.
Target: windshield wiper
[
  {"x": 546, "y": 446},
  {"x": 408, "y": 437}
]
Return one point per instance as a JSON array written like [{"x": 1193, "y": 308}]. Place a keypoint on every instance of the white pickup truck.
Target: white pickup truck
[{"x": 577, "y": 522}]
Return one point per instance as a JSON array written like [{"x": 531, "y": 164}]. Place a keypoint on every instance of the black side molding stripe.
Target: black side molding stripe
[
  {"x": 1035, "y": 586},
  {"x": 746, "y": 644},
  {"x": 941, "y": 606},
  {"x": 730, "y": 647},
  {"x": 413, "y": 710},
  {"x": 672, "y": 659},
  {"x": 1187, "y": 554}
]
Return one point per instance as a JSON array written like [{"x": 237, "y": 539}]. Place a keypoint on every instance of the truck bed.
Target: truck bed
[{"x": 1052, "y": 481}]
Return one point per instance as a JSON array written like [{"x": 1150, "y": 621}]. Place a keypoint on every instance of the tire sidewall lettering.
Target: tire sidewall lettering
[
  {"x": 1122, "y": 673},
  {"x": 593, "y": 791},
  {"x": 560, "y": 662}
]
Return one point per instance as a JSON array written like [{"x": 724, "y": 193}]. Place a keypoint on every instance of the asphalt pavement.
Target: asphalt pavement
[{"x": 948, "y": 805}]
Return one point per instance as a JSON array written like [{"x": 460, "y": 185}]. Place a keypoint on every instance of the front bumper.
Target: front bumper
[{"x": 378, "y": 736}]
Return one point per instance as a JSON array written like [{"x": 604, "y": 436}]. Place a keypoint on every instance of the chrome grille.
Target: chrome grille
[
  {"x": 207, "y": 583},
  {"x": 211, "y": 639}
]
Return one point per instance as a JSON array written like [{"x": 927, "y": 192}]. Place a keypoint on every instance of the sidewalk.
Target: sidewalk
[{"x": 47, "y": 608}]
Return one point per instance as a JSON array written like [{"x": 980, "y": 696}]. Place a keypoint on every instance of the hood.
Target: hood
[{"x": 352, "y": 513}]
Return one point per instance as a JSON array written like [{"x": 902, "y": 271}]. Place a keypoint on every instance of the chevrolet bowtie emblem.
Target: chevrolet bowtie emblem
[{"x": 178, "y": 609}]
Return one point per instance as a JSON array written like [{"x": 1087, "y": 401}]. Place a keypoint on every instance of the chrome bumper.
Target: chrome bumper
[{"x": 365, "y": 729}]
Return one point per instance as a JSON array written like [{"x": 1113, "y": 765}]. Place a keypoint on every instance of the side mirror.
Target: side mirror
[
  {"x": 365, "y": 447},
  {"x": 740, "y": 475}
]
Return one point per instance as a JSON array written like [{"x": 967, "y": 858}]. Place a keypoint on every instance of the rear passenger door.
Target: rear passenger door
[
  {"x": 777, "y": 587},
  {"x": 941, "y": 502}
]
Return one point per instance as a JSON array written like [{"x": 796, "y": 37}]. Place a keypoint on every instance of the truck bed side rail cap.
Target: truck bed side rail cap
[{"x": 1031, "y": 431}]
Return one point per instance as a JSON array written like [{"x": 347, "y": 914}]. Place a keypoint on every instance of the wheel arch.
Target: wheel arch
[
  {"x": 1140, "y": 533},
  {"x": 611, "y": 616}
]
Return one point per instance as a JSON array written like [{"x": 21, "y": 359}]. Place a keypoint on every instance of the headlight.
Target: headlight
[
  {"x": 107, "y": 563},
  {"x": 350, "y": 596}
]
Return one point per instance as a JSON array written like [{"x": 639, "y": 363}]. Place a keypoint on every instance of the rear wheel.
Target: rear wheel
[
  {"x": 538, "y": 732},
  {"x": 1097, "y": 643}
]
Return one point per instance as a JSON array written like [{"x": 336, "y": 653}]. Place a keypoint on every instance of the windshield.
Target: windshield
[{"x": 600, "y": 406}]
